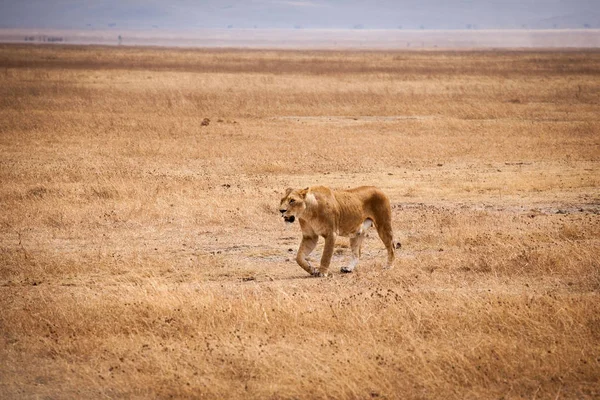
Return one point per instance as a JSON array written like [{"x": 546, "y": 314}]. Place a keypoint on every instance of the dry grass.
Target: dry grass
[{"x": 141, "y": 254}]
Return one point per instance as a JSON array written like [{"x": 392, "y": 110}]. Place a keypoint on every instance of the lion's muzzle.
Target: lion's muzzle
[{"x": 287, "y": 218}]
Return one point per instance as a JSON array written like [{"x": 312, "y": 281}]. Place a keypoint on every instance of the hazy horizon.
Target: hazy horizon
[{"x": 283, "y": 14}]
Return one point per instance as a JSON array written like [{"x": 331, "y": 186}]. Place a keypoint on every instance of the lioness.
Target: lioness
[{"x": 324, "y": 212}]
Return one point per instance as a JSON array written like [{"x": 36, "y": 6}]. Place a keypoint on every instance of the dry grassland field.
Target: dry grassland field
[{"x": 142, "y": 254}]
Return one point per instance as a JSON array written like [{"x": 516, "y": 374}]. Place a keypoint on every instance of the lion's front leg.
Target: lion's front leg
[
  {"x": 307, "y": 245},
  {"x": 327, "y": 254}
]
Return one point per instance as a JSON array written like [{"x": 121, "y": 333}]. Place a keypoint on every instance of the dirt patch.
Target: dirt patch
[{"x": 341, "y": 119}]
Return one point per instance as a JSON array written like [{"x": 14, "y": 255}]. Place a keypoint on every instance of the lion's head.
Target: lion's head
[{"x": 293, "y": 204}]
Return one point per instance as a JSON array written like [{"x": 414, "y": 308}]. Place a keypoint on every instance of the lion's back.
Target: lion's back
[{"x": 371, "y": 197}]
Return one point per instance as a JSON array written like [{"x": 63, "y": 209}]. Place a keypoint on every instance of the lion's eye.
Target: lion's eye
[{"x": 292, "y": 201}]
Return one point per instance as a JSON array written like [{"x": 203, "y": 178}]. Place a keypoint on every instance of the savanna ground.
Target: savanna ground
[{"x": 142, "y": 254}]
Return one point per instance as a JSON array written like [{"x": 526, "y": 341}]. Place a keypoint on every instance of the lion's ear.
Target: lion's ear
[
  {"x": 288, "y": 191},
  {"x": 302, "y": 193}
]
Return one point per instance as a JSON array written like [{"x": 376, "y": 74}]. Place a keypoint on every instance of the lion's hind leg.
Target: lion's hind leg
[
  {"x": 386, "y": 235},
  {"x": 356, "y": 245}
]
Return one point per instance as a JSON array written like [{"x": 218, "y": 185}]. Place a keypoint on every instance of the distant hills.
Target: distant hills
[
  {"x": 301, "y": 14},
  {"x": 338, "y": 39}
]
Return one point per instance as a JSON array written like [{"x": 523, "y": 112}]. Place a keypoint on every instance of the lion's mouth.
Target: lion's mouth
[{"x": 289, "y": 219}]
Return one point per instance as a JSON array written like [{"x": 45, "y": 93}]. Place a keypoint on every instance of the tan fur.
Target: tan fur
[{"x": 328, "y": 213}]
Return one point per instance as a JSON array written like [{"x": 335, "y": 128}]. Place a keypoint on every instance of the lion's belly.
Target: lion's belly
[
  {"x": 356, "y": 229},
  {"x": 346, "y": 230},
  {"x": 351, "y": 220}
]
